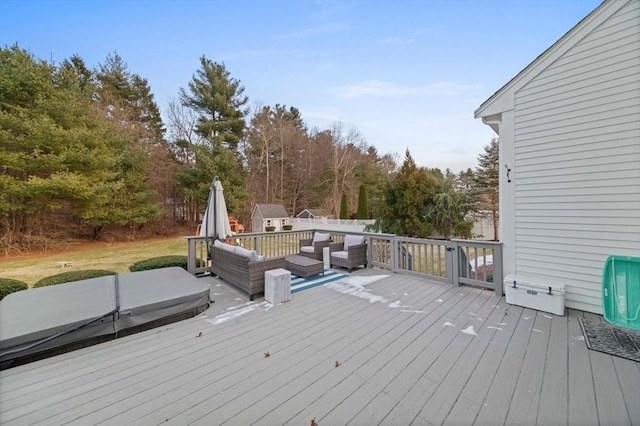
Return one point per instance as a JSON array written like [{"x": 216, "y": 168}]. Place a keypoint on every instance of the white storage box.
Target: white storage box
[{"x": 535, "y": 292}]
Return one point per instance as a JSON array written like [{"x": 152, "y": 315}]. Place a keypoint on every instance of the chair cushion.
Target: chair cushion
[
  {"x": 307, "y": 249},
  {"x": 340, "y": 254},
  {"x": 352, "y": 240},
  {"x": 320, "y": 236}
]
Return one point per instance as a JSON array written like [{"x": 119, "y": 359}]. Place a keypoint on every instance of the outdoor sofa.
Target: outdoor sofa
[
  {"x": 350, "y": 253},
  {"x": 241, "y": 267}
]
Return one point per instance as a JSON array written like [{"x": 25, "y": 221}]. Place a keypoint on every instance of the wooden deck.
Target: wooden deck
[{"x": 401, "y": 354}]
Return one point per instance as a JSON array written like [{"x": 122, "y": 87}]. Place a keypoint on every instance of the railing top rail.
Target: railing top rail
[
  {"x": 422, "y": 240},
  {"x": 477, "y": 243}
]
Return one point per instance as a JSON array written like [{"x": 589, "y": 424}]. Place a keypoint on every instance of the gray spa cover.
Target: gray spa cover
[{"x": 29, "y": 316}]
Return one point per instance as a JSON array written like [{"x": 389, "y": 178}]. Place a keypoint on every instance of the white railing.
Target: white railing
[{"x": 468, "y": 262}]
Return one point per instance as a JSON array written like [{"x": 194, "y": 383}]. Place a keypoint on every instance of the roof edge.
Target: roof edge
[{"x": 605, "y": 5}]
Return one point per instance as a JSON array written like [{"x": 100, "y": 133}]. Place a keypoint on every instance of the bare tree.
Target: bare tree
[{"x": 348, "y": 147}]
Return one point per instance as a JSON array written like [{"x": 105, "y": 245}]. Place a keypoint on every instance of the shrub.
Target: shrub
[
  {"x": 270, "y": 228},
  {"x": 162, "y": 262},
  {"x": 464, "y": 229},
  {"x": 8, "y": 286},
  {"x": 287, "y": 227},
  {"x": 67, "y": 277}
]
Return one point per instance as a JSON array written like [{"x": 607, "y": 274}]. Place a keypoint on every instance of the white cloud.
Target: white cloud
[{"x": 379, "y": 88}]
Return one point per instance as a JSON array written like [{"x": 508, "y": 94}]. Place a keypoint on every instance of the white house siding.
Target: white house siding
[{"x": 577, "y": 160}]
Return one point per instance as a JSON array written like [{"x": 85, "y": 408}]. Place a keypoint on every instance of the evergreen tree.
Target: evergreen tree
[
  {"x": 218, "y": 101},
  {"x": 363, "y": 205},
  {"x": 447, "y": 209},
  {"x": 344, "y": 210},
  {"x": 129, "y": 98},
  {"x": 60, "y": 152},
  {"x": 405, "y": 210},
  {"x": 486, "y": 185}
]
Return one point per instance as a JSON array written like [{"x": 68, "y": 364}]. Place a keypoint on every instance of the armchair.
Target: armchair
[
  {"x": 350, "y": 253},
  {"x": 312, "y": 247}
]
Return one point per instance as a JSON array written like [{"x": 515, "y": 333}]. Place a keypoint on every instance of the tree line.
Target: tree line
[{"x": 84, "y": 153}]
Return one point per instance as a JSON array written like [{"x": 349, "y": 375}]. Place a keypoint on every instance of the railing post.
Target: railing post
[
  {"x": 497, "y": 269},
  {"x": 448, "y": 261},
  {"x": 191, "y": 256},
  {"x": 455, "y": 263},
  {"x": 258, "y": 244},
  {"x": 394, "y": 254}
]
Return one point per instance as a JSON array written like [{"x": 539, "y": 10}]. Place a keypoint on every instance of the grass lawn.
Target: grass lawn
[{"x": 115, "y": 257}]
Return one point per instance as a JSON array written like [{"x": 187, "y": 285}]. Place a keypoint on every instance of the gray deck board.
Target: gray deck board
[
  {"x": 523, "y": 409},
  {"x": 450, "y": 386},
  {"x": 552, "y": 409},
  {"x": 628, "y": 374},
  {"x": 498, "y": 400},
  {"x": 398, "y": 364},
  {"x": 611, "y": 406},
  {"x": 582, "y": 398},
  {"x": 436, "y": 361}
]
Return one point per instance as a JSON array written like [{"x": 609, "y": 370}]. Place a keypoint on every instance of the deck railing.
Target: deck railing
[{"x": 467, "y": 262}]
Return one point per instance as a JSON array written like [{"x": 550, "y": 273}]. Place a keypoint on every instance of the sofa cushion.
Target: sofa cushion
[
  {"x": 252, "y": 255},
  {"x": 224, "y": 246},
  {"x": 352, "y": 240},
  {"x": 320, "y": 236},
  {"x": 307, "y": 249}
]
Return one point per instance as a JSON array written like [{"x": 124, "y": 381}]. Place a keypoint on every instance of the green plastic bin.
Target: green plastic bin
[{"x": 621, "y": 291}]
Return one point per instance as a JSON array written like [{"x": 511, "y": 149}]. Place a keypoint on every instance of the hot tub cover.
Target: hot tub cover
[{"x": 29, "y": 316}]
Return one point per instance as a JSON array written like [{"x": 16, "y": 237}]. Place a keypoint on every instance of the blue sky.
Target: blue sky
[{"x": 406, "y": 74}]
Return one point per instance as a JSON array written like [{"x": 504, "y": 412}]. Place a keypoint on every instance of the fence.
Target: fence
[{"x": 467, "y": 262}]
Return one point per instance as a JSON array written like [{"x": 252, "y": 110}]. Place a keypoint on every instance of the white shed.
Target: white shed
[
  {"x": 274, "y": 215},
  {"x": 569, "y": 127}
]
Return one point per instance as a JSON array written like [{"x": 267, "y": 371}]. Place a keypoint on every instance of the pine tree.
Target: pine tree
[
  {"x": 218, "y": 101},
  {"x": 130, "y": 94},
  {"x": 486, "y": 184}
]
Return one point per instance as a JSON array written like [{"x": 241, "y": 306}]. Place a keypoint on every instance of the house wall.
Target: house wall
[{"x": 576, "y": 154}]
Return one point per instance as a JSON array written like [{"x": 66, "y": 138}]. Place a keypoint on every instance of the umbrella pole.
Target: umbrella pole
[
  {"x": 215, "y": 208},
  {"x": 206, "y": 227}
]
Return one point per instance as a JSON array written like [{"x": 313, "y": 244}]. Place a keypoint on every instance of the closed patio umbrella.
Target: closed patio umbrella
[{"x": 215, "y": 222}]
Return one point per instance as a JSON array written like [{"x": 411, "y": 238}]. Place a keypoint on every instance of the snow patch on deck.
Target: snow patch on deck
[
  {"x": 237, "y": 311},
  {"x": 354, "y": 286},
  {"x": 470, "y": 330}
]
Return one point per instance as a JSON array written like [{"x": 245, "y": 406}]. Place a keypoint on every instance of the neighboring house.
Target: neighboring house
[
  {"x": 269, "y": 215},
  {"x": 569, "y": 127},
  {"x": 314, "y": 214}
]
